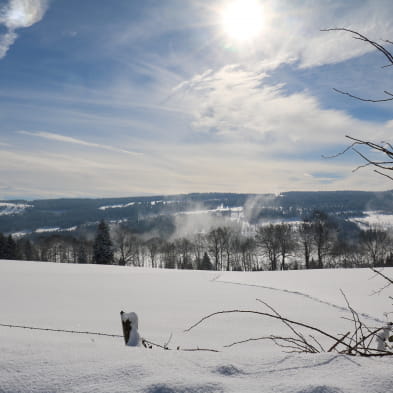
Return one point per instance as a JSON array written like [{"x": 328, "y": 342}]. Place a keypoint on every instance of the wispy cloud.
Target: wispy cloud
[
  {"x": 19, "y": 14},
  {"x": 67, "y": 139},
  {"x": 236, "y": 103}
]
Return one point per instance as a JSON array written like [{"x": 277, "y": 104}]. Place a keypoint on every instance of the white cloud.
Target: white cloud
[
  {"x": 6, "y": 41},
  {"x": 19, "y": 14},
  {"x": 67, "y": 139},
  {"x": 236, "y": 104},
  {"x": 22, "y": 13}
]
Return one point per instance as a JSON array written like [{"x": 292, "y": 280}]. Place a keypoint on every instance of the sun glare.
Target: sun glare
[{"x": 242, "y": 20}]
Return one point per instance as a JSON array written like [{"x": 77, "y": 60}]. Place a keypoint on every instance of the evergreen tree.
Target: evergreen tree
[
  {"x": 10, "y": 248},
  {"x": 103, "y": 247},
  {"x": 2, "y": 246},
  {"x": 25, "y": 250},
  {"x": 206, "y": 263},
  {"x": 82, "y": 254}
]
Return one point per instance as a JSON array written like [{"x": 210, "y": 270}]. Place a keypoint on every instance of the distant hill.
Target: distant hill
[{"x": 145, "y": 213}]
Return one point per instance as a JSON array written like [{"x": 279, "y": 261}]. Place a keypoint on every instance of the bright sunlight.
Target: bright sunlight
[{"x": 242, "y": 20}]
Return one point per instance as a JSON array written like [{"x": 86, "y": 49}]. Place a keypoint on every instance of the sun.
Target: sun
[{"x": 242, "y": 20}]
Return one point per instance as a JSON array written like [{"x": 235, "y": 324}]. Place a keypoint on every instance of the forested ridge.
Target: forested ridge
[
  {"x": 295, "y": 230},
  {"x": 143, "y": 213}
]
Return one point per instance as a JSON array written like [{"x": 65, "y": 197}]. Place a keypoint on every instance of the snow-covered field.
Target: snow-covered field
[
  {"x": 89, "y": 298},
  {"x": 374, "y": 219}
]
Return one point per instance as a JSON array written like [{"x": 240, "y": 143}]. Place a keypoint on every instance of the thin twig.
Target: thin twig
[
  {"x": 361, "y": 98},
  {"x": 382, "y": 275},
  {"x": 169, "y": 340},
  {"x": 388, "y": 55},
  {"x": 294, "y": 331},
  {"x": 153, "y": 344},
  {"x": 338, "y": 342}
]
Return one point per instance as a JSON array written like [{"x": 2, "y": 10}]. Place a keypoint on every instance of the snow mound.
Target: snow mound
[
  {"x": 167, "y": 388},
  {"x": 321, "y": 389},
  {"x": 228, "y": 370}
]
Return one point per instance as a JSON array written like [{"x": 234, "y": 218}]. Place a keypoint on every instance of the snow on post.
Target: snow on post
[
  {"x": 129, "y": 323},
  {"x": 382, "y": 338}
]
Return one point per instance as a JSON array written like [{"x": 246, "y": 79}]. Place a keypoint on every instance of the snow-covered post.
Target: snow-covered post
[
  {"x": 129, "y": 323},
  {"x": 382, "y": 337}
]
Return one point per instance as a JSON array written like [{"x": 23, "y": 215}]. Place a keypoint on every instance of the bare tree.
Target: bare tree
[
  {"x": 169, "y": 255},
  {"x": 248, "y": 257},
  {"x": 214, "y": 239},
  {"x": 305, "y": 233},
  {"x": 347, "y": 254},
  {"x": 184, "y": 249},
  {"x": 198, "y": 247},
  {"x": 375, "y": 243},
  {"x": 227, "y": 236},
  {"x": 267, "y": 240},
  {"x": 153, "y": 245},
  {"x": 284, "y": 234},
  {"x": 125, "y": 243},
  {"x": 323, "y": 235}
]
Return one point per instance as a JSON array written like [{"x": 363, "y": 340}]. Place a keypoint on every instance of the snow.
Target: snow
[
  {"x": 7, "y": 208},
  {"x": 134, "y": 339},
  {"x": 45, "y": 230},
  {"x": 374, "y": 219},
  {"x": 220, "y": 209},
  {"x": 89, "y": 298},
  {"x": 116, "y": 206},
  {"x": 55, "y": 229},
  {"x": 383, "y": 336}
]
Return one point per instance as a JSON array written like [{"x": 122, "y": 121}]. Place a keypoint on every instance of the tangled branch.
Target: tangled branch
[
  {"x": 356, "y": 343},
  {"x": 384, "y": 148}
]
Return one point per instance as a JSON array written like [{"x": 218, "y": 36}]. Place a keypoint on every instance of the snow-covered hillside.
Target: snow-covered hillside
[
  {"x": 8, "y": 208},
  {"x": 90, "y": 298}
]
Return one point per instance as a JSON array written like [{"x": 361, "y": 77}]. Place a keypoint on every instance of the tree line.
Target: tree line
[{"x": 316, "y": 242}]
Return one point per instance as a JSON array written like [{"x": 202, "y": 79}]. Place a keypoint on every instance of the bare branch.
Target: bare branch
[
  {"x": 342, "y": 152},
  {"x": 318, "y": 343},
  {"x": 363, "y": 99},
  {"x": 361, "y": 37},
  {"x": 292, "y": 343},
  {"x": 150, "y": 344},
  {"x": 168, "y": 341},
  {"x": 388, "y": 55},
  {"x": 197, "y": 349},
  {"x": 338, "y": 342},
  {"x": 301, "y": 337},
  {"x": 382, "y": 275},
  {"x": 383, "y": 148},
  {"x": 383, "y": 174},
  {"x": 274, "y": 316}
]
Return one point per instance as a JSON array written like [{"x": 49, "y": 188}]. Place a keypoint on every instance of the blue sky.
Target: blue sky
[{"x": 124, "y": 97}]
